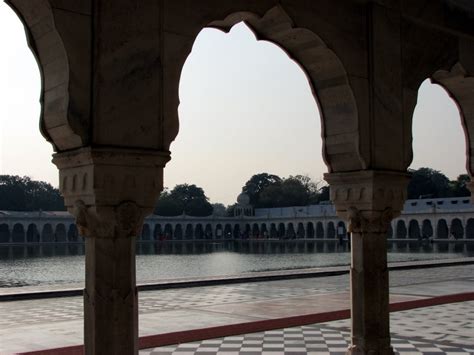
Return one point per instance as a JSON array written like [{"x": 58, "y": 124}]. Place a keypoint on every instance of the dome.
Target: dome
[{"x": 243, "y": 199}]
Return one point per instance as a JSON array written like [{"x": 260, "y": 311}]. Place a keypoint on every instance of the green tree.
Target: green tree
[
  {"x": 254, "y": 187},
  {"x": 167, "y": 205},
  {"x": 183, "y": 199},
  {"x": 296, "y": 190},
  {"x": 459, "y": 186},
  {"x": 23, "y": 194},
  {"x": 218, "y": 209},
  {"x": 427, "y": 182},
  {"x": 323, "y": 193}
]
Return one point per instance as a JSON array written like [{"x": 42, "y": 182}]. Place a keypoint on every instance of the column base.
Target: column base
[{"x": 357, "y": 350}]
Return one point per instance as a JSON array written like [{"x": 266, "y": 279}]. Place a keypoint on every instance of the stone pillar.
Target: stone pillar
[
  {"x": 368, "y": 201},
  {"x": 110, "y": 192}
]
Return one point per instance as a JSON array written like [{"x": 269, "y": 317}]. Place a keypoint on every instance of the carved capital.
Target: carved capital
[
  {"x": 368, "y": 200},
  {"x": 369, "y": 221},
  {"x": 110, "y": 191}
]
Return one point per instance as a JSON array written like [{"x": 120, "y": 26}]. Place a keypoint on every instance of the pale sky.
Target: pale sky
[{"x": 245, "y": 108}]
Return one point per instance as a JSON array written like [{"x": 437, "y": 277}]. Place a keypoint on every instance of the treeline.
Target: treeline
[
  {"x": 23, "y": 194},
  {"x": 264, "y": 190}
]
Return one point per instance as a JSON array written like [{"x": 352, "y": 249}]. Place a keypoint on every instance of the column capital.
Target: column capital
[
  {"x": 368, "y": 199},
  {"x": 110, "y": 190}
]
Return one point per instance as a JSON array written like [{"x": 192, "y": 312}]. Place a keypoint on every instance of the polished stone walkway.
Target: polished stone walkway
[
  {"x": 50, "y": 323},
  {"x": 444, "y": 329}
]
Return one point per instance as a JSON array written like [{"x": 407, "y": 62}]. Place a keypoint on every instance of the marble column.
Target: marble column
[
  {"x": 110, "y": 192},
  {"x": 368, "y": 201}
]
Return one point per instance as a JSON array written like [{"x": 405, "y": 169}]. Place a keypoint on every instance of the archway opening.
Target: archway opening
[
  {"x": 233, "y": 87},
  {"x": 438, "y": 172}
]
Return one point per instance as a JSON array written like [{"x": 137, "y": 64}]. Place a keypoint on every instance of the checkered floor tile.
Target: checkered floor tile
[
  {"x": 300, "y": 340},
  {"x": 438, "y": 330}
]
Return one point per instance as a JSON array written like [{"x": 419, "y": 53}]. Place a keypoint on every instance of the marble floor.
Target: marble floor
[
  {"x": 438, "y": 330},
  {"x": 57, "y": 322}
]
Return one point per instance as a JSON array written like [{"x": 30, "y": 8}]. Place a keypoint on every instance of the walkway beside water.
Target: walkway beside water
[{"x": 30, "y": 325}]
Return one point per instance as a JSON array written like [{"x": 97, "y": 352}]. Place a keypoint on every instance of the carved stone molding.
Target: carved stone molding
[
  {"x": 110, "y": 191},
  {"x": 368, "y": 199},
  {"x": 369, "y": 222}
]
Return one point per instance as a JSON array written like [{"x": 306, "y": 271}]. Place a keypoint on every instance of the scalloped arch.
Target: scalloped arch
[
  {"x": 460, "y": 87},
  {"x": 327, "y": 77},
  {"x": 49, "y": 51}
]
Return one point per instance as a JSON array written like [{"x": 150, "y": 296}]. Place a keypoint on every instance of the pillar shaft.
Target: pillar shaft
[
  {"x": 368, "y": 201},
  {"x": 369, "y": 294},
  {"x": 110, "y": 297}
]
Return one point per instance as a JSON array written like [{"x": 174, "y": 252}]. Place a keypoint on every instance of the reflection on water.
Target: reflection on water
[{"x": 64, "y": 263}]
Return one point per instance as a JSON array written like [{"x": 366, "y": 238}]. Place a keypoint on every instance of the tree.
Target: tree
[
  {"x": 183, "y": 199},
  {"x": 323, "y": 193},
  {"x": 23, "y": 194},
  {"x": 167, "y": 205},
  {"x": 218, "y": 209},
  {"x": 427, "y": 182},
  {"x": 267, "y": 191},
  {"x": 254, "y": 187},
  {"x": 459, "y": 186},
  {"x": 296, "y": 190}
]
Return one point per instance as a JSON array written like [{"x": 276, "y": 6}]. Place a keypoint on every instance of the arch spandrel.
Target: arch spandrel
[{"x": 60, "y": 52}]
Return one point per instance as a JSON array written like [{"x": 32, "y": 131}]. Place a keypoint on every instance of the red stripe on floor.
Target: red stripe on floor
[{"x": 152, "y": 341}]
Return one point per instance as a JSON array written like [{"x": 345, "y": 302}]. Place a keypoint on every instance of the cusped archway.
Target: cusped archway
[{"x": 326, "y": 74}]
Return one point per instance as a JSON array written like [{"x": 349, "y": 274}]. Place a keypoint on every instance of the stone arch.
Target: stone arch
[
  {"x": 310, "y": 230},
  {"x": 18, "y": 233},
  {"x": 189, "y": 232},
  {"x": 326, "y": 75},
  {"x": 442, "y": 231},
  {"x": 290, "y": 231},
  {"x": 227, "y": 231},
  {"x": 198, "y": 231},
  {"x": 273, "y": 231},
  {"x": 331, "y": 233},
  {"x": 414, "y": 229},
  {"x": 319, "y": 230},
  {"x": 4, "y": 233},
  {"x": 208, "y": 231},
  {"x": 72, "y": 233},
  {"x": 300, "y": 231},
  {"x": 178, "y": 232},
  {"x": 470, "y": 228},
  {"x": 264, "y": 230},
  {"x": 60, "y": 233},
  {"x": 47, "y": 235},
  {"x": 236, "y": 232},
  {"x": 168, "y": 231},
  {"x": 281, "y": 231},
  {"x": 219, "y": 231},
  {"x": 32, "y": 234},
  {"x": 255, "y": 230},
  {"x": 426, "y": 229},
  {"x": 457, "y": 229},
  {"x": 247, "y": 230},
  {"x": 65, "y": 128},
  {"x": 158, "y": 232},
  {"x": 401, "y": 232},
  {"x": 459, "y": 84}
]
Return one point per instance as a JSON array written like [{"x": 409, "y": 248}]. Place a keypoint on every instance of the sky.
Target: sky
[{"x": 245, "y": 108}]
